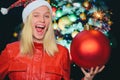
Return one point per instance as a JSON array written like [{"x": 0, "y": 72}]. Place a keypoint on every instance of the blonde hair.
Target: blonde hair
[{"x": 26, "y": 39}]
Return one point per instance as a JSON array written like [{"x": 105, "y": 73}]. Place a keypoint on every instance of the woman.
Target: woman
[{"x": 36, "y": 56}]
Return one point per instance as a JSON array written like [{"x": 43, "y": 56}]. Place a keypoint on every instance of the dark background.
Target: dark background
[{"x": 9, "y": 22}]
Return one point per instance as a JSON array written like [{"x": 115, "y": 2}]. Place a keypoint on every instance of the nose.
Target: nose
[{"x": 42, "y": 19}]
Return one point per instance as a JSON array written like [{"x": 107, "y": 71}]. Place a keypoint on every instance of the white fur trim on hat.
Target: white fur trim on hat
[{"x": 32, "y": 6}]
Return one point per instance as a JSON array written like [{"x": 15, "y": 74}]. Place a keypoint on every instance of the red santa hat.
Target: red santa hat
[
  {"x": 29, "y": 5},
  {"x": 18, "y": 3}
]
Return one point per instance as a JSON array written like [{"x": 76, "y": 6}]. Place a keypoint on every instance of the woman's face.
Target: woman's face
[{"x": 40, "y": 21}]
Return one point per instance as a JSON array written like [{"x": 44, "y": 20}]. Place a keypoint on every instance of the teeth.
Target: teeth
[{"x": 38, "y": 26}]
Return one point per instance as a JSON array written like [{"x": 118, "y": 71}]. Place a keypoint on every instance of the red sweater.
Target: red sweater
[{"x": 40, "y": 67}]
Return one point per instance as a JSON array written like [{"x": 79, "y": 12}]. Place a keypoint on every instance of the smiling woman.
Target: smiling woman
[{"x": 40, "y": 22}]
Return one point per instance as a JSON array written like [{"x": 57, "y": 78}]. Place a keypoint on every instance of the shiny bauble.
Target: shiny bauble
[
  {"x": 90, "y": 48},
  {"x": 87, "y": 5}
]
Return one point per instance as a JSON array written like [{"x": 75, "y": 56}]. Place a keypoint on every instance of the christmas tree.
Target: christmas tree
[{"x": 71, "y": 17}]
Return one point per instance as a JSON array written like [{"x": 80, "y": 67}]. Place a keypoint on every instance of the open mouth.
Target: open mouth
[{"x": 39, "y": 28}]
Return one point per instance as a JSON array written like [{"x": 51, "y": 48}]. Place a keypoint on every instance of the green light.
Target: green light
[
  {"x": 72, "y": 17},
  {"x": 58, "y": 13},
  {"x": 111, "y": 44}
]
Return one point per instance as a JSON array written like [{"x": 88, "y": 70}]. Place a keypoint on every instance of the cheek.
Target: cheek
[
  {"x": 33, "y": 30},
  {"x": 33, "y": 26},
  {"x": 47, "y": 23},
  {"x": 33, "y": 22}
]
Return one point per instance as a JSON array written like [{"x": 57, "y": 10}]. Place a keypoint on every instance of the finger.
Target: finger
[
  {"x": 96, "y": 70},
  {"x": 83, "y": 70},
  {"x": 91, "y": 70},
  {"x": 101, "y": 68}
]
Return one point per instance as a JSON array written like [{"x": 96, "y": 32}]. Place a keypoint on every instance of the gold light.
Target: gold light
[{"x": 98, "y": 15}]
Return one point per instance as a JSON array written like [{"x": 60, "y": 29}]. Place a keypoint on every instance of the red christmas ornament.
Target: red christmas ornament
[
  {"x": 54, "y": 11},
  {"x": 90, "y": 48}
]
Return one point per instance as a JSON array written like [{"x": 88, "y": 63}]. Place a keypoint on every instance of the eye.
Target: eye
[
  {"x": 35, "y": 15},
  {"x": 47, "y": 16}
]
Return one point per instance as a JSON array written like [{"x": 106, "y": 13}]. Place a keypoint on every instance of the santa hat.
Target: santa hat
[
  {"x": 18, "y": 3},
  {"x": 29, "y": 5}
]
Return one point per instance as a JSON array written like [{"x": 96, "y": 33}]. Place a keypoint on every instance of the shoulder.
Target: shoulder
[
  {"x": 63, "y": 50},
  {"x": 61, "y": 47},
  {"x": 12, "y": 47},
  {"x": 13, "y": 44},
  {"x": 65, "y": 55}
]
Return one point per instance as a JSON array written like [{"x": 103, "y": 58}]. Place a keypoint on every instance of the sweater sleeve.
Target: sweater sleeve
[
  {"x": 5, "y": 60},
  {"x": 66, "y": 65}
]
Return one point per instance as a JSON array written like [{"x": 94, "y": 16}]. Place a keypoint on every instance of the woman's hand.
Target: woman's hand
[{"x": 89, "y": 75}]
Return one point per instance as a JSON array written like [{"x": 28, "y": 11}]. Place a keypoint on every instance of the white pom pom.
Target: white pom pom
[{"x": 4, "y": 11}]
